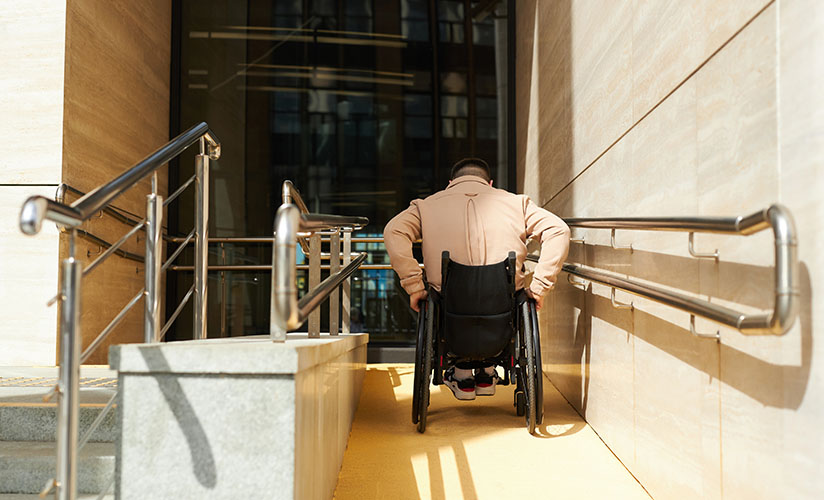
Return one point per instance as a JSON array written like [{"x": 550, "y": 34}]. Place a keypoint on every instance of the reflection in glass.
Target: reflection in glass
[{"x": 363, "y": 104}]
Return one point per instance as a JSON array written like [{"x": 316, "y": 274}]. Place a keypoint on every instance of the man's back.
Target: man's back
[{"x": 478, "y": 225}]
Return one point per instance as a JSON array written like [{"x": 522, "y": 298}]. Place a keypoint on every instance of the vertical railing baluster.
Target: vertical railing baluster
[
  {"x": 346, "y": 288},
  {"x": 154, "y": 261},
  {"x": 201, "y": 240},
  {"x": 314, "y": 281},
  {"x": 334, "y": 297},
  {"x": 224, "y": 293},
  {"x": 67, "y": 421}
]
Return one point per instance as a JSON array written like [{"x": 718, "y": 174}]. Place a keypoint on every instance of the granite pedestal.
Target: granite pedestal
[{"x": 236, "y": 418}]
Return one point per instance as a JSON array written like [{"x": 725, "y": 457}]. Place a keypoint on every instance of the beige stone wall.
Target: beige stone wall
[
  {"x": 31, "y": 117},
  {"x": 84, "y": 94},
  {"x": 116, "y": 112},
  {"x": 674, "y": 108}
]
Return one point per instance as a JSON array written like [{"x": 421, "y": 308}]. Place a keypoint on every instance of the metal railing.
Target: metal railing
[
  {"x": 293, "y": 223},
  {"x": 785, "y": 292},
  {"x": 69, "y": 217}
]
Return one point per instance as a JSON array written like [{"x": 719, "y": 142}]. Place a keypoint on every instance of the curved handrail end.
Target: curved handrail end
[
  {"x": 32, "y": 215},
  {"x": 38, "y": 208}
]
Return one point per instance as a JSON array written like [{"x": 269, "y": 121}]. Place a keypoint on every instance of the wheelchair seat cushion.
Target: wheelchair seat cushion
[{"x": 477, "y": 307}]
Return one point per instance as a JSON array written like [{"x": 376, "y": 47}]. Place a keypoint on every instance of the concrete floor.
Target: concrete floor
[{"x": 474, "y": 449}]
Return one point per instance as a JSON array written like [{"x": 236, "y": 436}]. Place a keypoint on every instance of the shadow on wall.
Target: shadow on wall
[
  {"x": 761, "y": 380},
  {"x": 679, "y": 272}
]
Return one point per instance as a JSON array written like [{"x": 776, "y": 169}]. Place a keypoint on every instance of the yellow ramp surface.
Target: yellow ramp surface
[{"x": 472, "y": 449}]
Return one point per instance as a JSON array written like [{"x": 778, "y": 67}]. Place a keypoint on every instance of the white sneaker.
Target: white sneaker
[
  {"x": 462, "y": 389},
  {"x": 485, "y": 383}
]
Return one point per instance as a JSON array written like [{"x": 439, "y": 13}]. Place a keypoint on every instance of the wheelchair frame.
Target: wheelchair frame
[{"x": 521, "y": 361}]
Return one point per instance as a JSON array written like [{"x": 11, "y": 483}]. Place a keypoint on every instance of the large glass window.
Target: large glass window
[{"x": 363, "y": 104}]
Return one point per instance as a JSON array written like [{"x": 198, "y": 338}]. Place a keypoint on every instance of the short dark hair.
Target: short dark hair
[{"x": 471, "y": 166}]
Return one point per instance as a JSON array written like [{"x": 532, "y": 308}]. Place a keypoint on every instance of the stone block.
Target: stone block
[{"x": 236, "y": 418}]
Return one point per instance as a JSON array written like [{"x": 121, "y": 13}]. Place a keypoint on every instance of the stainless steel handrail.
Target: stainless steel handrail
[
  {"x": 322, "y": 222},
  {"x": 775, "y": 217},
  {"x": 744, "y": 225},
  {"x": 39, "y": 208},
  {"x": 290, "y": 194},
  {"x": 268, "y": 268},
  {"x": 313, "y": 299},
  {"x": 291, "y": 219},
  {"x": 117, "y": 213}
]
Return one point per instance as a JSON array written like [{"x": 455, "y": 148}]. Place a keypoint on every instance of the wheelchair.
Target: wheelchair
[{"x": 479, "y": 318}]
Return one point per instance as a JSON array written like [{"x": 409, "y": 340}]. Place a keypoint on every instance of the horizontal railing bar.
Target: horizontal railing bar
[
  {"x": 743, "y": 225},
  {"x": 314, "y": 298},
  {"x": 320, "y": 222},
  {"x": 117, "y": 213},
  {"x": 39, "y": 208},
  {"x": 112, "y": 324},
  {"x": 261, "y": 267},
  {"x": 179, "y": 190},
  {"x": 176, "y": 313},
  {"x": 113, "y": 248},
  {"x": 269, "y": 239},
  {"x": 97, "y": 422},
  {"x": 231, "y": 239},
  {"x": 103, "y": 243},
  {"x": 692, "y": 305},
  {"x": 179, "y": 249}
]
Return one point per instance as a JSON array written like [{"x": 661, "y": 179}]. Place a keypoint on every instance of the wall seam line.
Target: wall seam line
[
  {"x": 25, "y": 184},
  {"x": 667, "y": 96}
]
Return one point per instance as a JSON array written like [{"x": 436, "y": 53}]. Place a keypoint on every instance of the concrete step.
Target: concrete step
[
  {"x": 24, "y": 416},
  {"x": 25, "y": 466},
  {"x": 38, "y": 422}
]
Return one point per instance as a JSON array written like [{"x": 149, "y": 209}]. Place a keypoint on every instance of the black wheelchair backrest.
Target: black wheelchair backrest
[{"x": 477, "y": 304}]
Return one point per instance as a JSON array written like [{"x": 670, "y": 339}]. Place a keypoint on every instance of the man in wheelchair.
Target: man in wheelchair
[{"x": 484, "y": 230}]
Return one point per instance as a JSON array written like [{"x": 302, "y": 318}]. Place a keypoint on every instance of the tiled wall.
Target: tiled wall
[
  {"x": 31, "y": 118},
  {"x": 681, "y": 108}
]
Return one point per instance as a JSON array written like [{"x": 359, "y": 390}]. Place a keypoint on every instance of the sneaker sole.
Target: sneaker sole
[
  {"x": 458, "y": 393},
  {"x": 485, "y": 391}
]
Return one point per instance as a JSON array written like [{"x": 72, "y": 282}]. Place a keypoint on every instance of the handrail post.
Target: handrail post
[
  {"x": 283, "y": 314},
  {"x": 67, "y": 421},
  {"x": 346, "y": 300},
  {"x": 154, "y": 258},
  {"x": 314, "y": 281},
  {"x": 201, "y": 240},
  {"x": 334, "y": 266}
]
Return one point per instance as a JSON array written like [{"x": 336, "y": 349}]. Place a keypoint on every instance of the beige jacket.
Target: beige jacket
[{"x": 479, "y": 225}]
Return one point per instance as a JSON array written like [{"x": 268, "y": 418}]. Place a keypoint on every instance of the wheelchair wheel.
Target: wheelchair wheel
[
  {"x": 531, "y": 372},
  {"x": 539, "y": 371},
  {"x": 426, "y": 372},
  {"x": 419, "y": 356}
]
